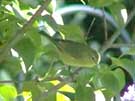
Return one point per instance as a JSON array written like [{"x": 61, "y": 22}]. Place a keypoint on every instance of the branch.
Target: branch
[
  {"x": 122, "y": 45},
  {"x": 36, "y": 79},
  {"x": 51, "y": 90},
  {"x": 7, "y": 81},
  {"x": 109, "y": 42},
  {"x": 93, "y": 11},
  {"x": 19, "y": 33},
  {"x": 90, "y": 27},
  {"x": 105, "y": 26},
  {"x": 58, "y": 86}
]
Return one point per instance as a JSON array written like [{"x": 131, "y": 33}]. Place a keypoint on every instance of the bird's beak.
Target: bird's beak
[{"x": 99, "y": 58}]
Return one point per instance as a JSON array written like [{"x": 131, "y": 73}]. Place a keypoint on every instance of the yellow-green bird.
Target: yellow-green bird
[{"x": 74, "y": 53}]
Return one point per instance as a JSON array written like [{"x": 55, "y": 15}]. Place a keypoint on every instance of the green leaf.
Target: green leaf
[
  {"x": 44, "y": 86},
  {"x": 108, "y": 94},
  {"x": 85, "y": 75},
  {"x": 12, "y": 66},
  {"x": 50, "y": 97},
  {"x": 33, "y": 34},
  {"x": 84, "y": 93},
  {"x": 5, "y": 26},
  {"x": 96, "y": 79},
  {"x": 26, "y": 50},
  {"x": 102, "y": 3},
  {"x": 32, "y": 86},
  {"x": 5, "y": 2},
  {"x": 119, "y": 74},
  {"x": 72, "y": 32},
  {"x": 8, "y": 92},
  {"x": 109, "y": 80},
  {"x": 126, "y": 64},
  {"x": 46, "y": 63},
  {"x": 31, "y": 3}
]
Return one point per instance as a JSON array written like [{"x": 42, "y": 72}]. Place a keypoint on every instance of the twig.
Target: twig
[
  {"x": 7, "y": 81},
  {"x": 105, "y": 25},
  {"x": 36, "y": 79},
  {"x": 58, "y": 86},
  {"x": 19, "y": 33},
  {"x": 109, "y": 42},
  {"x": 90, "y": 27},
  {"x": 93, "y": 11},
  {"x": 130, "y": 45},
  {"x": 13, "y": 81}
]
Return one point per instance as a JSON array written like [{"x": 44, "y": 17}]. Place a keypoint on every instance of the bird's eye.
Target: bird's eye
[{"x": 94, "y": 59}]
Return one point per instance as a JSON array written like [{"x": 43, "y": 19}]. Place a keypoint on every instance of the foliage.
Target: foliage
[{"x": 32, "y": 69}]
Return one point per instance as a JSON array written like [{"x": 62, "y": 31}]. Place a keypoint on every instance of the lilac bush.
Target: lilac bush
[{"x": 129, "y": 95}]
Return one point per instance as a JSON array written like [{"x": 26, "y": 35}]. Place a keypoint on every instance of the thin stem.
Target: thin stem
[
  {"x": 58, "y": 86},
  {"x": 122, "y": 45},
  {"x": 7, "y": 81},
  {"x": 109, "y": 42},
  {"x": 90, "y": 27},
  {"x": 96, "y": 12},
  {"x": 105, "y": 25},
  {"x": 34, "y": 80}
]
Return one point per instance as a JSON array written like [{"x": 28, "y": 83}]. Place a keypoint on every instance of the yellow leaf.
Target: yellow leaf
[
  {"x": 61, "y": 97},
  {"x": 27, "y": 95},
  {"x": 66, "y": 88}
]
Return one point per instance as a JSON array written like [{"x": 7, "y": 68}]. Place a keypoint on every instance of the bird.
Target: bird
[{"x": 73, "y": 53}]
